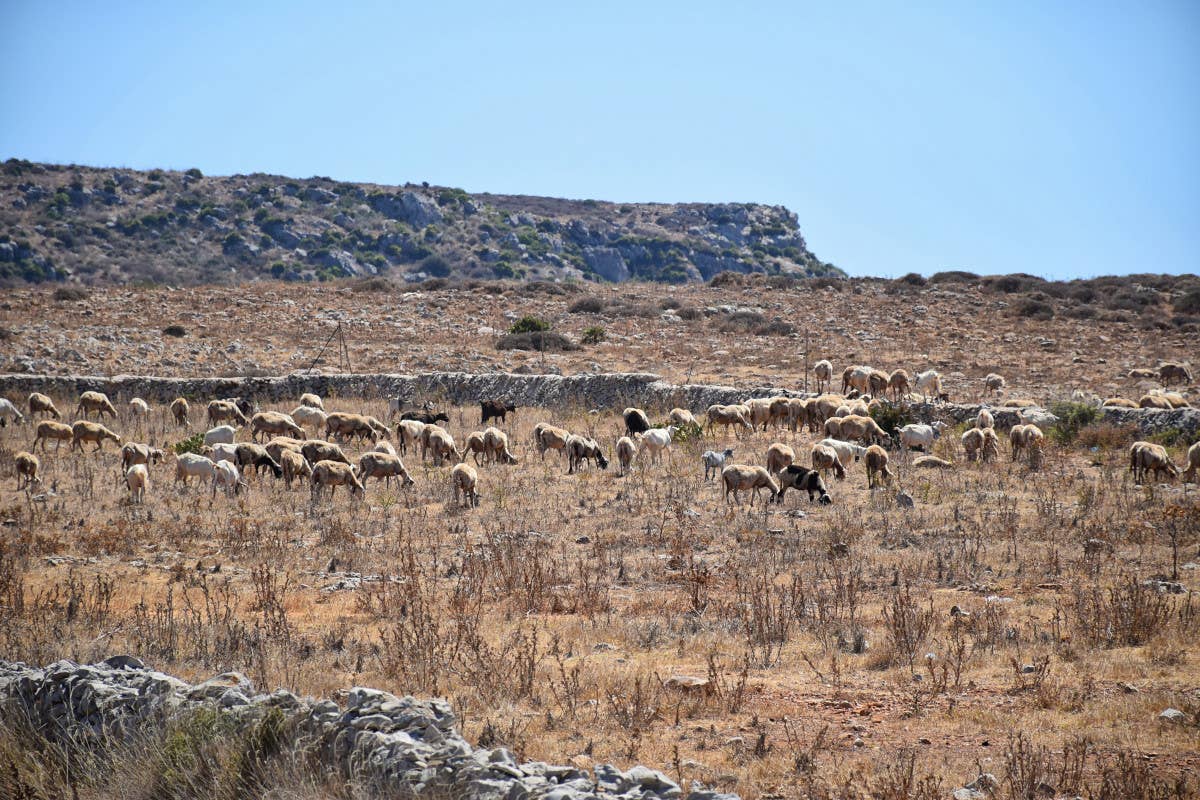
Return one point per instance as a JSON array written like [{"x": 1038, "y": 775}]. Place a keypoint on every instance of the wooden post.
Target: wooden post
[{"x": 806, "y": 362}]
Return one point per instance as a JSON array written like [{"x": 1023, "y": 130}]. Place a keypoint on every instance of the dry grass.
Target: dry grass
[{"x": 554, "y": 616}]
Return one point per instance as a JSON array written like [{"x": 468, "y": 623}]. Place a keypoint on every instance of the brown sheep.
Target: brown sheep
[
  {"x": 41, "y": 404},
  {"x": 549, "y": 437},
  {"x": 1171, "y": 372},
  {"x": 760, "y": 411},
  {"x": 981, "y": 443},
  {"x": 1027, "y": 438},
  {"x": 1145, "y": 457},
  {"x": 476, "y": 446},
  {"x": 221, "y": 410},
  {"x": 97, "y": 402},
  {"x": 779, "y": 456},
  {"x": 878, "y": 382},
  {"x": 861, "y": 428},
  {"x": 279, "y": 444},
  {"x": 682, "y": 417},
  {"x": 275, "y": 424},
  {"x": 134, "y": 453},
  {"x": 465, "y": 482},
  {"x": 27, "y": 466},
  {"x": 495, "y": 443},
  {"x": 797, "y": 416},
  {"x": 581, "y": 449},
  {"x": 315, "y": 450},
  {"x": 84, "y": 431},
  {"x": 877, "y": 467},
  {"x": 1118, "y": 402},
  {"x": 48, "y": 429},
  {"x": 898, "y": 383},
  {"x": 823, "y": 407},
  {"x": 825, "y": 458},
  {"x": 441, "y": 444},
  {"x": 742, "y": 478},
  {"x": 385, "y": 466},
  {"x": 728, "y": 415},
  {"x": 344, "y": 425},
  {"x": 294, "y": 466},
  {"x": 180, "y": 409},
  {"x": 333, "y": 474},
  {"x": 1154, "y": 401}
]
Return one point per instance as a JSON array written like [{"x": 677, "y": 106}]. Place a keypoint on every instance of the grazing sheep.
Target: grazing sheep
[
  {"x": 222, "y": 434},
  {"x": 779, "y": 456},
  {"x": 738, "y": 478},
  {"x": 1154, "y": 401},
  {"x": 1118, "y": 402},
  {"x": 714, "y": 461},
  {"x": 994, "y": 384},
  {"x": 310, "y": 400},
  {"x": 315, "y": 450},
  {"x": 494, "y": 409},
  {"x": 137, "y": 478},
  {"x": 929, "y": 382},
  {"x": 138, "y": 408},
  {"x": 495, "y": 443},
  {"x": 333, "y": 474},
  {"x": 898, "y": 383},
  {"x": 222, "y": 452},
  {"x": 294, "y": 466},
  {"x": 97, "y": 402},
  {"x": 803, "y": 480},
  {"x": 918, "y": 436},
  {"x": 1146, "y": 457},
  {"x": 408, "y": 432},
  {"x": 627, "y": 452},
  {"x": 982, "y": 443},
  {"x": 441, "y": 444},
  {"x": 382, "y": 465},
  {"x": 581, "y": 449},
  {"x": 221, "y": 410},
  {"x": 84, "y": 431},
  {"x": 877, "y": 467},
  {"x": 682, "y": 417},
  {"x": 549, "y": 437},
  {"x": 475, "y": 445},
  {"x": 27, "y": 466},
  {"x": 275, "y": 424},
  {"x": 825, "y": 458},
  {"x": 48, "y": 429},
  {"x": 41, "y": 404},
  {"x": 309, "y": 417},
  {"x": 760, "y": 411},
  {"x": 636, "y": 421},
  {"x": 343, "y": 425},
  {"x": 878, "y": 381},
  {"x": 862, "y": 428},
  {"x": 193, "y": 465},
  {"x": 277, "y": 446},
  {"x": 134, "y": 453},
  {"x": 823, "y": 372},
  {"x": 822, "y": 408},
  {"x": 847, "y": 452},
  {"x": 932, "y": 462},
  {"x": 728, "y": 415},
  {"x": 384, "y": 446},
  {"x": 248, "y": 454},
  {"x": 180, "y": 409},
  {"x": 427, "y": 416},
  {"x": 985, "y": 419},
  {"x": 656, "y": 440},
  {"x": 1172, "y": 372},
  {"x": 464, "y": 480},
  {"x": 226, "y": 476},
  {"x": 1028, "y": 439},
  {"x": 857, "y": 378},
  {"x": 1193, "y": 463},
  {"x": 798, "y": 414},
  {"x": 833, "y": 427}
]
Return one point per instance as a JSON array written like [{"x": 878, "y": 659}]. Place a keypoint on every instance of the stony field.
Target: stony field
[{"x": 788, "y": 651}]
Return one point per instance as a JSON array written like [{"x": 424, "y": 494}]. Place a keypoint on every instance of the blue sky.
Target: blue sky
[{"x": 1057, "y": 138}]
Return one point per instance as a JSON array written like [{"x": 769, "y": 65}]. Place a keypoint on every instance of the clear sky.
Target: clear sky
[{"x": 1057, "y": 138}]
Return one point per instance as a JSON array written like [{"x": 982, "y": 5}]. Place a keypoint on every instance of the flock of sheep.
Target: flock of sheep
[{"x": 280, "y": 443}]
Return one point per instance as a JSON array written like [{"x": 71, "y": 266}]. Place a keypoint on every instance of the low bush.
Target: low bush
[
  {"x": 192, "y": 444},
  {"x": 1072, "y": 418},
  {"x": 529, "y": 324},
  {"x": 542, "y": 341},
  {"x": 593, "y": 335},
  {"x": 891, "y": 419},
  {"x": 1033, "y": 308},
  {"x": 177, "y": 331},
  {"x": 586, "y": 305},
  {"x": 65, "y": 294}
]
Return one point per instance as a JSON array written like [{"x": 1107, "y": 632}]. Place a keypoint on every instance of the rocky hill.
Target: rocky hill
[{"x": 116, "y": 226}]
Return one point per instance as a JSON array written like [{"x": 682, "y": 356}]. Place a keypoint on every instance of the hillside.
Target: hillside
[{"x": 117, "y": 226}]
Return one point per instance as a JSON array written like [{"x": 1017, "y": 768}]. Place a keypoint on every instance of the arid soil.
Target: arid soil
[{"x": 788, "y": 650}]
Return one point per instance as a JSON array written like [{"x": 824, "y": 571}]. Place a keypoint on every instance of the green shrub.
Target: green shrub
[
  {"x": 593, "y": 335},
  {"x": 1072, "y": 417},
  {"x": 1169, "y": 437},
  {"x": 891, "y": 419},
  {"x": 542, "y": 341},
  {"x": 685, "y": 433},
  {"x": 192, "y": 444},
  {"x": 529, "y": 324}
]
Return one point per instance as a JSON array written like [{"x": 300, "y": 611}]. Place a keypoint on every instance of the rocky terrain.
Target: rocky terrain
[{"x": 119, "y": 226}]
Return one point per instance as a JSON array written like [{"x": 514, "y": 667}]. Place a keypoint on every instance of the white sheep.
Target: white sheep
[
  {"x": 308, "y": 417},
  {"x": 465, "y": 482},
  {"x": 927, "y": 383},
  {"x": 137, "y": 478},
  {"x": 825, "y": 458},
  {"x": 985, "y": 419},
  {"x": 714, "y": 462},
  {"x": 1147, "y": 457},
  {"x": 581, "y": 449},
  {"x": 823, "y": 372},
  {"x": 919, "y": 436},
  {"x": 9, "y": 412},
  {"x": 223, "y": 451},
  {"x": 779, "y": 455},
  {"x": 222, "y": 434},
  {"x": 626, "y": 453},
  {"x": 138, "y": 408},
  {"x": 226, "y": 476},
  {"x": 656, "y": 440},
  {"x": 310, "y": 400},
  {"x": 847, "y": 452},
  {"x": 95, "y": 401},
  {"x": 192, "y": 465}
]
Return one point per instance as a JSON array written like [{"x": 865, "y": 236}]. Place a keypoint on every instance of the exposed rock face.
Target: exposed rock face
[
  {"x": 596, "y": 390},
  {"x": 395, "y": 745}
]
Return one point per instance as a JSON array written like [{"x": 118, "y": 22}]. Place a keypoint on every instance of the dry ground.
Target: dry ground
[{"x": 555, "y": 615}]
